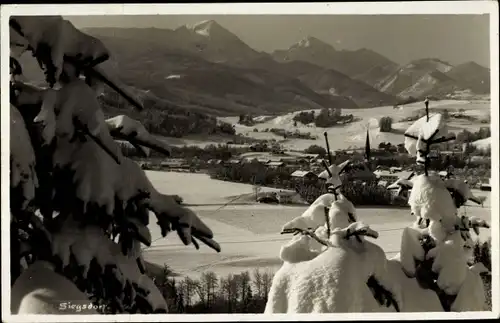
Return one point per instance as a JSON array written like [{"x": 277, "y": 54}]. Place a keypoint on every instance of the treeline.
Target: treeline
[
  {"x": 235, "y": 293},
  {"x": 222, "y": 152},
  {"x": 245, "y": 293},
  {"x": 325, "y": 119},
  {"x": 163, "y": 118},
  {"x": 466, "y": 136},
  {"x": 292, "y": 134},
  {"x": 253, "y": 172}
]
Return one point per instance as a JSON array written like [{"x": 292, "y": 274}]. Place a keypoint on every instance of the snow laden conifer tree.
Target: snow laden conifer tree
[
  {"x": 329, "y": 266},
  {"x": 80, "y": 209}
]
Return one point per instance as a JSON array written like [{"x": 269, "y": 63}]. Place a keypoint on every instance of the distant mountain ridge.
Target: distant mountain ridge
[
  {"x": 214, "y": 44},
  {"x": 434, "y": 77},
  {"x": 362, "y": 64},
  {"x": 203, "y": 61}
]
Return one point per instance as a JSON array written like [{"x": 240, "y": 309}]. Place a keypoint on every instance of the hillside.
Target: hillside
[
  {"x": 363, "y": 64},
  {"x": 223, "y": 89},
  {"x": 472, "y": 76},
  {"x": 327, "y": 81},
  {"x": 416, "y": 78},
  {"x": 206, "y": 39},
  {"x": 213, "y": 43},
  {"x": 433, "y": 77}
]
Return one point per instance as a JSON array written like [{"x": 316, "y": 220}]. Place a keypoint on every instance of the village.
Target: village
[{"x": 298, "y": 171}]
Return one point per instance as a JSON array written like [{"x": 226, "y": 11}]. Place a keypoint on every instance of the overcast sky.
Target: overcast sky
[{"x": 401, "y": 38}]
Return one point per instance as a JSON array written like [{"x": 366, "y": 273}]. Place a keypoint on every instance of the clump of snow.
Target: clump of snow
[
  {"x": 420, "y": 134},
  {"x": 89, "y": 243},
  {"x": 124, "y": 127},
  {"x": 40, "y": 290},
  {"x": 471, "y": 296},
  {"x": 173, "y": 77},
  {"x": 63, "y": 39},
  {"x": 430, "y": 199},
  {"x": 482, "y": 144},
  {"x": 450, "y": 262}
]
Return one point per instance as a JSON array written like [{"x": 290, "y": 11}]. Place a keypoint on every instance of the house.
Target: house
[
  {"x": 311, "y": 157},
  {"x": 215, "y": 162},
  {"x": 305, "y": 176},
  {"x": 358, "y": 172},
  {"x": 382, "y": 183},
  {"x": 263, "y": 160},
  {"x": 175, "y": 163},
  {"x": 275, "y": 164},
  {"x": 385, "y": 175}
]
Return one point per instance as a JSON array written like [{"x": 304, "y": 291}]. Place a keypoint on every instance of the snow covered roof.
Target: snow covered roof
[
  {"x": 302, "y": 173},
  {"x": 275, "y": 164},
  {"x": 382, "y": 183},
  {"x": 384, "y": 173}
]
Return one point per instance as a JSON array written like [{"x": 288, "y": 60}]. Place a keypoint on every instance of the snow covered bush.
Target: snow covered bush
[
  {"x": 332, "y": 268},
  {"x": 80, "y": 210}
]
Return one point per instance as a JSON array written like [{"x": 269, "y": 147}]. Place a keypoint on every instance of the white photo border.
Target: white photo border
[{"x": 356, "y": 8}]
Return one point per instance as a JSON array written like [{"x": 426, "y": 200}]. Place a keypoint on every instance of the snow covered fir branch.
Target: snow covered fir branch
[{"x": 81, "y": 210}]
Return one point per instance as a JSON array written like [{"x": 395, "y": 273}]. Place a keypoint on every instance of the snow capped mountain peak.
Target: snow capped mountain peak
[{"x": 311, "y": 42}]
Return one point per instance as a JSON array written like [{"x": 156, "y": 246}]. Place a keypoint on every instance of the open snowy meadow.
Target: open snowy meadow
[
  {"x": 354, "y": 134},
  {"x": 250, "y": 234}
]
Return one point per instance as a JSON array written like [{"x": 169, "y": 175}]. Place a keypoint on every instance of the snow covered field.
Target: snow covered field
[
  {"x": 250, "y": 234},
  {"x": 354, "y": 134}
]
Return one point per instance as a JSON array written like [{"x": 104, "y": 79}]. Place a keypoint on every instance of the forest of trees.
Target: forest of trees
[
  {"x": 292, "y": 134},
  {"x": 325, "y": 119},
  {"x": 235, "y": 293},
  {"x": 162, "y": 118}
]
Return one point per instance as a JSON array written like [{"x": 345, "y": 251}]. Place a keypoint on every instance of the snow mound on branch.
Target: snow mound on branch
[
  {"x": 430, "y": 199},
  {"x": 89, "y": 243},
  {"x": 471, "y": 296},
  {"x": 334, "y": 281},
  {"x": 422, "y": 130},
  {"x": 63, "y": 40},
  {"x": 323, "y": 208},
  {"x": 124, "y": 127},
  {"x": 313, "y": 217},
  {"x": 326, "y": 199},
  {"x": 40, "y": 290},
  {"x": 450, "y": 262},
  {"x": 460, "y": 186},
  {"x": 298, "y": 249}
]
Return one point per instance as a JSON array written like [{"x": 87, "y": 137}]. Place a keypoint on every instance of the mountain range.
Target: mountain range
[{"x": 207, "y": 68}]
